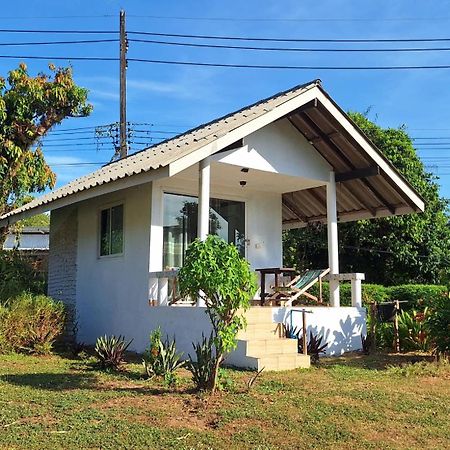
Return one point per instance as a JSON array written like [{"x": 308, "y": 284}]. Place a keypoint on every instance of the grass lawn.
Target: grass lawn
[{"x": 353, "y": 402}]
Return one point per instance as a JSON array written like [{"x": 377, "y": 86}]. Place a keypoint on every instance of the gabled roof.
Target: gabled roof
[{"x": 308, "y": 108}]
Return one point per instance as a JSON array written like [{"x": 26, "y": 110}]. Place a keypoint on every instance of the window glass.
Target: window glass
[
  {"x": 111, "y": 231},
  {"x": 226, "y": 219},
  {"x": 117, "y": 229}
]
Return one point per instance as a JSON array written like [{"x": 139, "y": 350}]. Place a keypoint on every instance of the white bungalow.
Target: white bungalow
[{"x": 287, "y": 161}]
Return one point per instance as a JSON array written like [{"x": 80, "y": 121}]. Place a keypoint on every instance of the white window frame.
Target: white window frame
[{"x": 105, "y": 207}]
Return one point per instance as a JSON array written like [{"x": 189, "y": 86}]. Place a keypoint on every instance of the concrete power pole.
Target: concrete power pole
[{"x": 123, "y": 86}]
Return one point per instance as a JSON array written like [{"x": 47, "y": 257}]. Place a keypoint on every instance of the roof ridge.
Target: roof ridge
[{"x": 315, "y": 82}]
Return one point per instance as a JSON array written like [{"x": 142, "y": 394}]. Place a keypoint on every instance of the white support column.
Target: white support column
[
  {"x": 203, "y": 198},
  {"x": 156, "y": 242},
  {"x": 333, "y": 248}
]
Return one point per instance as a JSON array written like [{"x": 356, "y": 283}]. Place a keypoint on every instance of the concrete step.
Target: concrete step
[
  {"x": 260, "y": 331},
  {"x": 258, "y": 314},
  {"x": 273, "y": 362},
  {"x": 263, "y": 347}
]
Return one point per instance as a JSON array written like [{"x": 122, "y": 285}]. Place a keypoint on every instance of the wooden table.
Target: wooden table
[{"x": 276, "y": 271}]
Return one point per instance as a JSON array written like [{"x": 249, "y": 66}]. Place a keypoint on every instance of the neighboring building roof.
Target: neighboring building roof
[
  {"x": 29, "y": 239},
  {"x": 310, "y": 110}
]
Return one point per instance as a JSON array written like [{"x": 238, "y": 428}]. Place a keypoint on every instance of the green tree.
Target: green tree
[
  {"x": 215, "y": 272},
  {"x": 413, "y": 248},
  {"x": 29, "y": 108}
]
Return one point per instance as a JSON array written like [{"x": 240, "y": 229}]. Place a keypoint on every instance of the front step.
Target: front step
[{"x": 260, "y": 345}]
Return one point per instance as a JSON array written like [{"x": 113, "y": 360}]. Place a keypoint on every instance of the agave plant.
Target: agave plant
[
  {"x": 110, "y": 351},
  {"x": 315, "y": 347},
  {"x": 162, "y": 359},
  {"x": 202, "y": 368}
]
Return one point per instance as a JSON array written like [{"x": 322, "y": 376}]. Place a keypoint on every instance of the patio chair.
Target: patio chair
[{"x": 299, "y": 286}]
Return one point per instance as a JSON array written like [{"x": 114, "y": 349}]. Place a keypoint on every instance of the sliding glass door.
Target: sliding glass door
[{"x": 226, "y": 219}]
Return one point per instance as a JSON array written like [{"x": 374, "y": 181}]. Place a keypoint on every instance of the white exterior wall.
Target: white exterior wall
[
  {"x": 112, "y": 291},
  {"x": 341, "y": 328}
]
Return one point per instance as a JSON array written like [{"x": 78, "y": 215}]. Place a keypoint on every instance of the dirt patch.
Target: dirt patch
[{"x": 168, "y": 410}]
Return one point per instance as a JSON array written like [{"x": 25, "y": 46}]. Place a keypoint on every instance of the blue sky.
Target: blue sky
[{"x": 174, "y": 98}]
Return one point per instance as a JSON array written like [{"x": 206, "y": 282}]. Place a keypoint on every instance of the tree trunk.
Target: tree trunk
[{"x": 215, "y": 374}]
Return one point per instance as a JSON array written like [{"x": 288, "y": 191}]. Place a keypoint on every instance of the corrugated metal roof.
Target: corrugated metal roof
[
  {"x": 162, "y": 154},
  {"x": 368, "y": 194}
]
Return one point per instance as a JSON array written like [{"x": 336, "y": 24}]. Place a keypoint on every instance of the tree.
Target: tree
[
  {"x": 215, "y": 272},
  {"x": 29, "y": 108},
  {"x": 413, "y": 248}
]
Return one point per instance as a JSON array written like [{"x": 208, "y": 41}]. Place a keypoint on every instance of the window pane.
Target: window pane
[
  {"x": 105, "y": 222},
  {"x": 117, "y": 229},
  {"x": 227, "y": 220},
  {"x": 180, "y": 227}
]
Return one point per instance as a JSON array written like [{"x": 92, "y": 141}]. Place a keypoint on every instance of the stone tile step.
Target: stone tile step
[
  {"x": 277, "y": 362},
  {"x": 260, "y": 331},
  {"x": 263, "y": 347},
  {"x": 258, "y": 313}
]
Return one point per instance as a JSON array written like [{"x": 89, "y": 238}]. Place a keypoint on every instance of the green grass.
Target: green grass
[{"x": 386, "y": 401}]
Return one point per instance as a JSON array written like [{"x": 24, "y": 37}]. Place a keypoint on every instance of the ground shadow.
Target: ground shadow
[
  {"x": 86, "y": 380},
  {"x": 377, "y": 361},
  {"x": 53, "y": 381}
]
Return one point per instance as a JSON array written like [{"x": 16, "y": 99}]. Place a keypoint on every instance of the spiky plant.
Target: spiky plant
[
  {"x": 162, "y": 358},
  {"x": 110, "y": 351},
  {"x": 203, "y": 366}
]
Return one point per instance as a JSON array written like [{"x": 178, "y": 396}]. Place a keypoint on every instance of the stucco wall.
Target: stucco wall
[
  {"x": 112, "y": 291},
  {"x": 341, "y": 328},
  {"x": 62, "y": 261}
]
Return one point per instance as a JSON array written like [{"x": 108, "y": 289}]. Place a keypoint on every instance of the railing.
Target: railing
[
  {"x": 163, "y": 287},
  {"x": 355, "y": 280}
]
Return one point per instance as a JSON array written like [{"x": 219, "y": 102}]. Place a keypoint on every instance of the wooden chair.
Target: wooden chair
[{"x": 299, "y": 286}]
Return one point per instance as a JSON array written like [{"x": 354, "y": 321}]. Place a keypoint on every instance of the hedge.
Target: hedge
[{"x": 418, "y": 296}]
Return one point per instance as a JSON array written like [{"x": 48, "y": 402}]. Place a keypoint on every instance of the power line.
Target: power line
[
  {"x": 267, "y": 39},
  {"x": 85, "y": 41},
  {"x": 294, "y": 19},
  {"x": 15, "y": 30},
  {"x": 226, "y": 65},
  {"x": 287, "y": 67},
  {"x": 63, "y": 58},
  {"x": 291, "y": 49}
]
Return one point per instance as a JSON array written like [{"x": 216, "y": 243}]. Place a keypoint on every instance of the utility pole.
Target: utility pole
[{"x": 123, "y": 86}]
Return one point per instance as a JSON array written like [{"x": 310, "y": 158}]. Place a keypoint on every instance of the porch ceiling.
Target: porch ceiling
[{"x": 364, "y": 190}]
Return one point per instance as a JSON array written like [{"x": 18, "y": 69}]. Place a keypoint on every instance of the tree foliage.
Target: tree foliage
[
  {"x": 413, "y": 248},
  {"x": 29, "y": 108},
  {"x": 215, "y": 272}
]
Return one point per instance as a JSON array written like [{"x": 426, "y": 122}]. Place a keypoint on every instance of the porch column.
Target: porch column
[
  {"x": 203, "y": 198},
  {"x": 333, "y": 250}
]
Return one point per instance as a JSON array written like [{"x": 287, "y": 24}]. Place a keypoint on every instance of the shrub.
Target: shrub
[
  {"x": 370, "y": 293},
  {"x": 110, "y": 351},
  {"x": 17, "y": 276},
  {"x": 31, "y": 324},
  {"x": 412, "y": 330},
  {"x": 203, "y": 366},
  {"x": 215, "y": 272},
  {"x": 418, "y": 296},
  {"x": 161, "y": 358},
  {"x": 439, "y": 326},
  {"x": 314, "y": 346}
]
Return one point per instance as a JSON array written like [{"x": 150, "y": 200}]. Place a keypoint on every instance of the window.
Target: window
[
  {"x": 111, "y": 231},
  {"x": 226, "y": 219}
]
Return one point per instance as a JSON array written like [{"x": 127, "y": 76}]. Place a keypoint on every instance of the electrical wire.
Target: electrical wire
[
  {"x": 22, "y": 31},
  {"x": 292, "y": 49},
  {"x": 29, "y": 44},
  {"x": 267, "y": 39}
]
